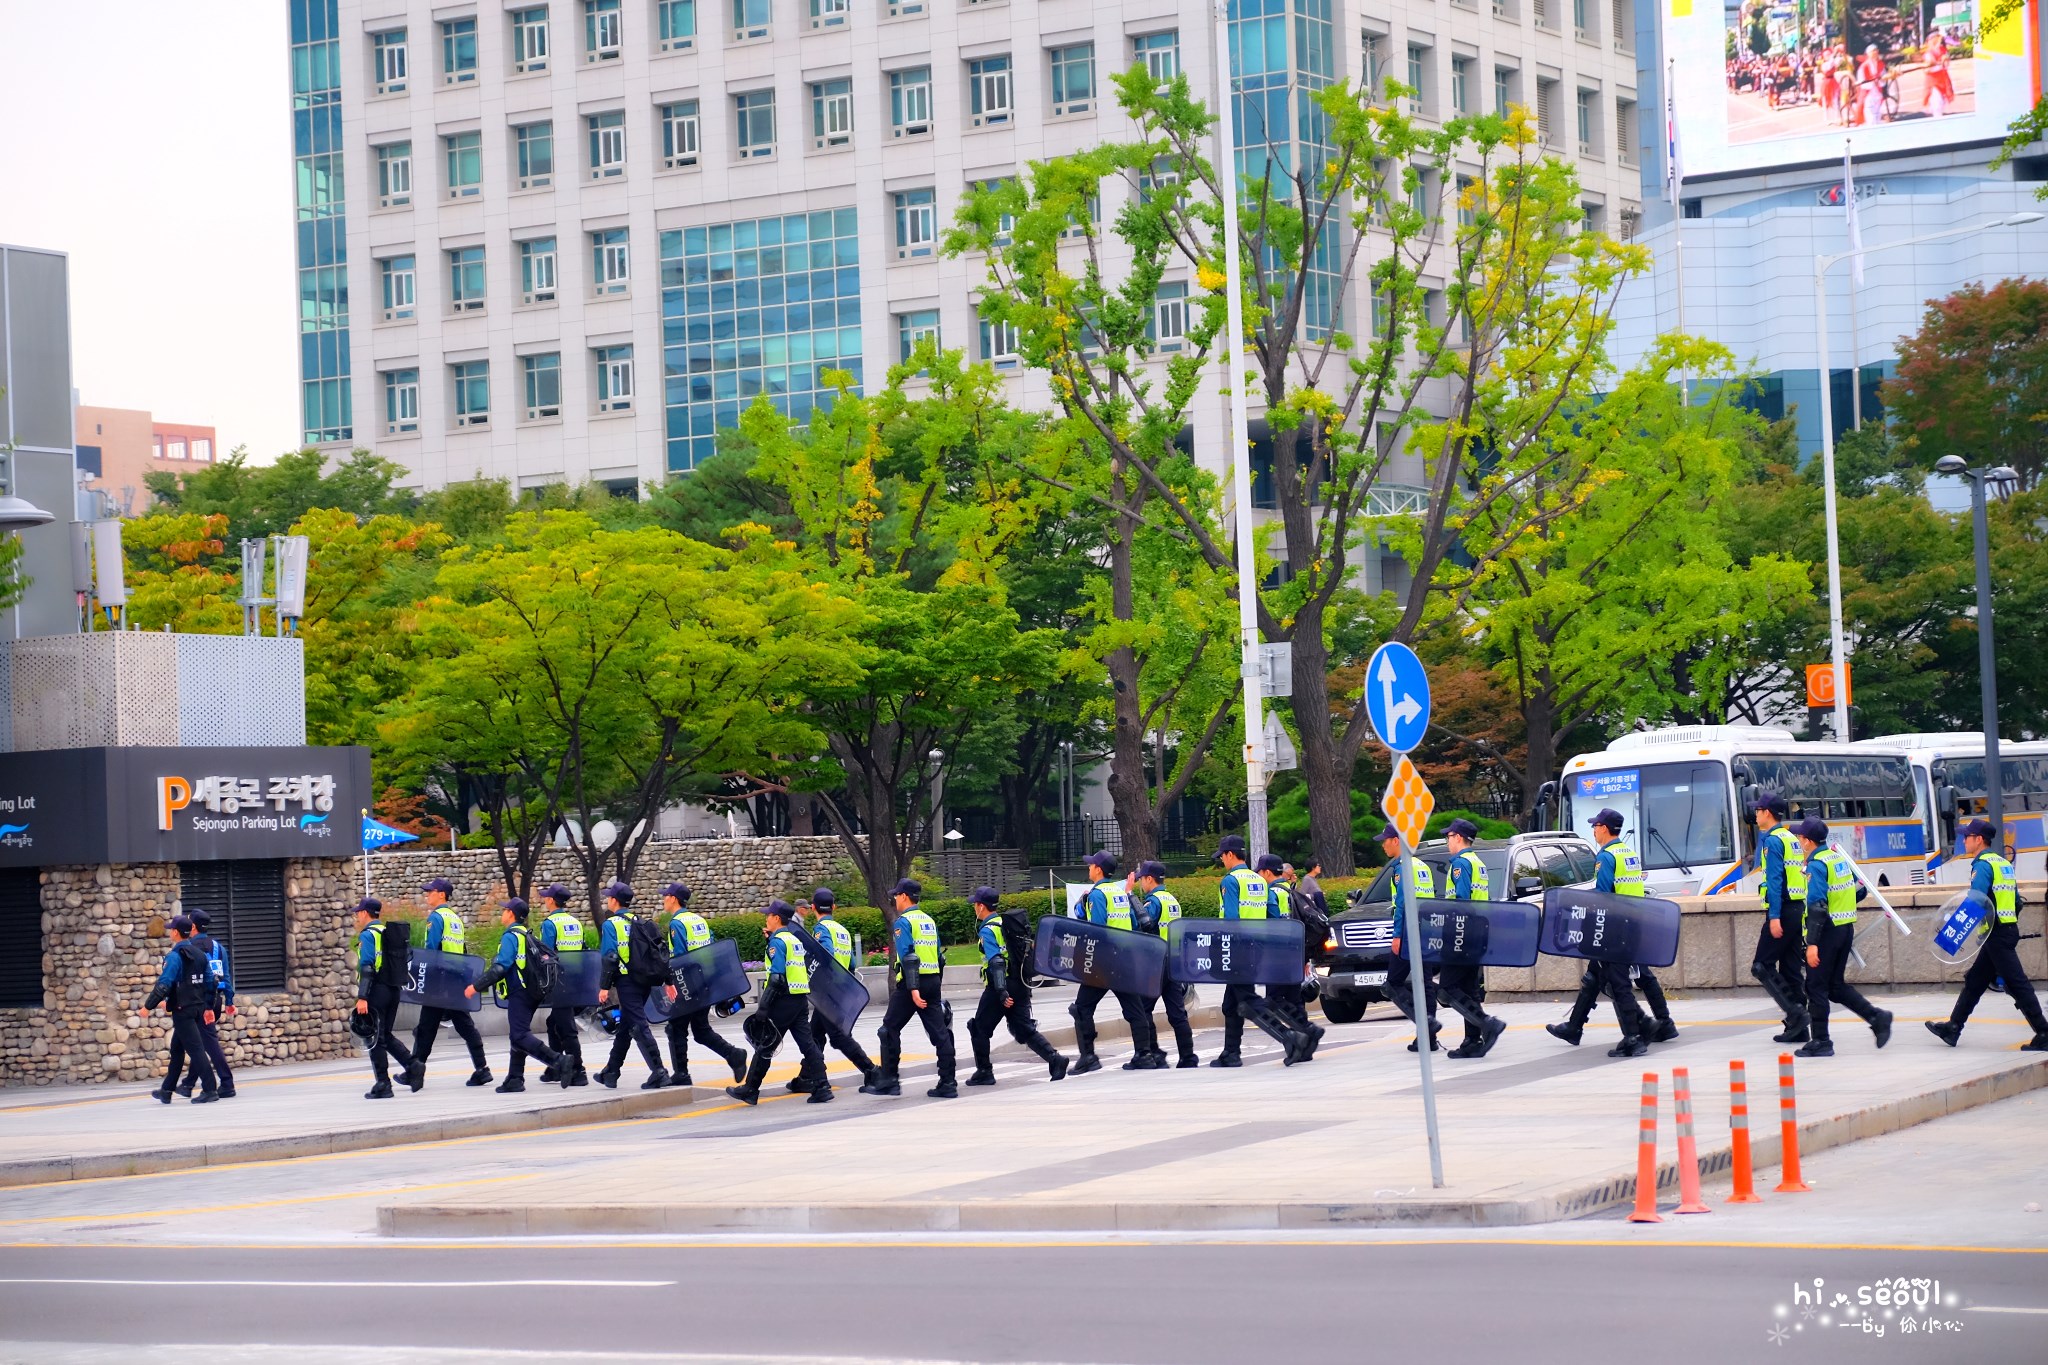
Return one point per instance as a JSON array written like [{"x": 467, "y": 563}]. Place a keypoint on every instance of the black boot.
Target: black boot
[
  {"x": 1881, "y": 1025},
  {"x": 982, "y": 1076},
  {"x": 1631, "y": 1045},
  {"x": 380, "y": 1091},
  {"x": 512, "y": 1085},
  {"x": 944, "y": 1090},
  {"x": 1664, "y": 1031},
  {"x": 480, "y": 1076},
  {"x": 743, "y": 1095},
  {"x": 1567, "y": 1031},
  {"x": 185, "y": 1088},
  {"x": 1948, "y": 1033},
  {"x": 607, "y": 1078},
  {"x": 1820, "y": 1047},
  {"x": 656, "y": 1079}
]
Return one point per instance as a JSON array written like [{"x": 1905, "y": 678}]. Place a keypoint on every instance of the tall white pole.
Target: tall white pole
[
  {"x": 1838, "y": 649},
  {"x": 1240, "y": 448},
  {"x": 1677, "y": 176}
]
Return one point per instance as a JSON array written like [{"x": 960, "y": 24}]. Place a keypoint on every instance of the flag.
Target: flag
[
  {"x": 377, "y": 834},
  {"x": 1849, "y": 201},
  {"x": 1674, "y": 173}
]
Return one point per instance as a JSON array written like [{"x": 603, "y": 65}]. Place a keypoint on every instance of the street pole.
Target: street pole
[
  {"x": 1994, "y": 784},
  {"x": 1837, "y": 648},
  {"x": 1241, "y": 449},
  {"x": 1425, "y": 1036}
]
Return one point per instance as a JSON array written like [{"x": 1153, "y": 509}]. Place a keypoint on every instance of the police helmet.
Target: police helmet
[{"x": 760, "y": 1030}]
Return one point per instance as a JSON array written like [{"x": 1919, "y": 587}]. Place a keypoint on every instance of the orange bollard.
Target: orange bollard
[
  {"x": 1646, "y": 1155},
  {"x": 1744, "y": 1192},
  {"x": 1688, "y": 1153},
  {"x": 1788, "y": 1129}
]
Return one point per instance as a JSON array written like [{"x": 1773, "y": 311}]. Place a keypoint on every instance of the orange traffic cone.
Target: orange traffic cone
[
  {"x": 1744, "y": 1191},
  {"x": 1788, "y": 1129},
  {"x": 1646, "y": 1155},
  {"x": 1688, "y": 1153}
]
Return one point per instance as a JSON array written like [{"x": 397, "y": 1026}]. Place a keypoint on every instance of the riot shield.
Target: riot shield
[
  {"x": 1638, "y": 931},
  {"x": 1960, "y": 925},
  {"x": 706, "y": 976},
  {"x": 578, "y": 986},
  {"x": 1479, "y": 933},
  {"x": 836, "y": 993},
  {"x": 1096, "y": 955},
  {"x": 437, "y": 980},
  {"x": 1236, "y": 952}
]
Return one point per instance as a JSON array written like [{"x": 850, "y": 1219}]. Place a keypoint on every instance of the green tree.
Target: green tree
[
  {"x": 262, "y": 500},
  {"x": 1973, "y": 381}
]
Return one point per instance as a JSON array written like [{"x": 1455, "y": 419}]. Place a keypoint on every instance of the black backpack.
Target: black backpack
[
  {"x": 397, "y": 939},
  {"x": 1019, "y": 949},
  {"x": 194, "y": 989},
  {"x": 543, "y": 969},
  {"x": 646, "y": 953}
]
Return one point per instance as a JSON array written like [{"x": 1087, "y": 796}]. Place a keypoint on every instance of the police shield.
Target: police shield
[
  {"x": 706, "y": 976},
  {"x": 1096, "y": 955},
  {"x": 1236, "y": 952},
  {"x": 578, "y": 986},
  {"x": 836, "y": 993},
  {"x": 1960, "y": 924},
  {"x": 1637, "y": 931},
  {"x": 437, "y": 980},
  {"x": 1478, "y": 933}
]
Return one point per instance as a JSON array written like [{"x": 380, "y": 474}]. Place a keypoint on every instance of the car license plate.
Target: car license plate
[{"x": 1369, "y": 978}]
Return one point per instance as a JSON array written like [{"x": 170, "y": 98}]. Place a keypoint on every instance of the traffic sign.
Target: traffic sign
[
  {"x": 1280, "y": 754},
  {"x": 1397, "y": 697},
  {"x": 1408, "y": 802},
  {"x": 1820, "y": 686}
]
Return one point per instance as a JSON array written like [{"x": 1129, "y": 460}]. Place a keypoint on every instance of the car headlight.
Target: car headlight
[{"x": 1330, "y": 944}]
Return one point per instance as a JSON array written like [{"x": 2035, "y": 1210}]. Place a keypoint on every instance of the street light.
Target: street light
[
  {"x": 1821, "y": 265},
  {"x": 1997, "y": 482},
  {"x": 938, "y": 758},
  {"x": 17, "y": 513}
]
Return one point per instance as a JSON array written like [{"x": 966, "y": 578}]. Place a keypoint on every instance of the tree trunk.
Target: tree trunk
[
  {"x": 1324, "y": 767},
  {"x": 1539, "y": 715},
  {"x": 1130, "y": 790}
]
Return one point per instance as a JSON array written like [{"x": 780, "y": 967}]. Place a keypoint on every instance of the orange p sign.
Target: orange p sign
[
  {"x": 1820, "y": 685},
  {"x": 172, "y": 794}
]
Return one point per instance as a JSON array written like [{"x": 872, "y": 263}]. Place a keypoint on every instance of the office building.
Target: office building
[{"x": 117, "y": 447}]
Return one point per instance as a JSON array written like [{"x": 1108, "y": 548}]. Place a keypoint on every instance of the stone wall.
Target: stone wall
[{"x": 103, "y": 947}]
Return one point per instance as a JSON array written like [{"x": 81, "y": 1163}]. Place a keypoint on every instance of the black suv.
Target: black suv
[{"x": 1351, "y": 967}]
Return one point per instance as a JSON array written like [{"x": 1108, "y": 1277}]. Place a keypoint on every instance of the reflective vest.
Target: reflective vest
[
  {"x": 838, "y": 939},
  {"x": 1841, "y": 886},
  {"x": 451, "y": 928},
  {"x": 1628, "y": 870},
  {"x": 1476, "y": 882},
  {"x": 622, "y": 939},
  {"x": 504, "y": 986},
  {"x": 1795, "y": 864},
  {"x": 1167, "y": 907},
  {"x": 1280, "y": 899},
  {"x": 924, "y": 940},
  {"x": 375, "y": 929},
  {"x": 1116, "y": 904},
  {"x": 2005, "y": 887},
  {"x": 217, "y": 959},
  {"x": 568, "y": 932},
  {"x": 796, "y": 968},
  {"x": 1425, "y": 880},
  {"x": 695, "y": 931},
  {"x": 1251, "y": 892},
  {"x": 994, "y": 924}
]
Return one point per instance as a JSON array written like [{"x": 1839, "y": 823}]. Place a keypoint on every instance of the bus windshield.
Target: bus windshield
[
  {"x": 1675, "y": 814},
  {"x": 1836, "y": 788}
]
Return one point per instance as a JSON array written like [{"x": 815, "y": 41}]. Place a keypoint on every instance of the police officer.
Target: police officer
[
  {"x": 506, "y": 979},
  {"x": 1108, "y": 903},
  {"x": 444, "y": 934},
  {"x": 562, "y": 932},
  {"x": 1830, "y": 934},
  {"x": 1617, "y": 872},
  {"x": 1779, "y": 962},
  {"x": 836, "y": 939},
  {"x": 1285, "y": 997},
  {"x": 1398, "y": 969},
  {"x": 224, "y": 1008},
  {"x": 1158, "y": 908},
  {"x": 1991, "y": 876},
  {"x": 914, "y": 990},
  {"x": 1004, "y": 996},
  {"x": 687, "y": 931},
  {"x": 1462, "y": 987},
  {"x": 1244, "y": 894},
  {"x": 633, "y": 980},
  {"x": 379, "y": 1000},
  {"x": 785, "y": 1008},
  {"x": 186, "y": 985}
]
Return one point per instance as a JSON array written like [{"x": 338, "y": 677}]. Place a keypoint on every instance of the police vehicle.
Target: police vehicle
[
  {"x": 1950, "y": 790},
  {"x": 1351, "y": 968}
]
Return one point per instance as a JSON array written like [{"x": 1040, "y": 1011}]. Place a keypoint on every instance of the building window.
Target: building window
[
  {"x": 1418, "y": 80},
  {"x": 472, "y": 382},
  {"x": 1503, "y": 90},
  {"x": 1170, "y": 316},
  {"x": 1595, "y": 219},
  {"x": 466, "y": 280},
  {"x": 610, "y": 266},
  {"x": 156, "y": 447},
  {"x": 607, "y": 144},
  {"x": 911, "y": 328},
  {"x": 1461, "y": 84},
  {"x": 1582, "y": 17},
  {"x": 1160, "y": 52},
  {"x": 174, "y": 448},
  {"x": 832, "y": 114},
  {"x": 458, "y": 51},
  {"x": 999, "y": 344},
  {"x": 388, "y": 62},
  {"x": 988, "y": 82},
  {"x": 1079, "y": 225},
  {"x": 1468, "y": 199},
  {"x": 537, "y": 270},
  {"x": 910, "y": 102},
  {"x": 754, "y": 123},
  {"x": 615, "y": 379},
  {"x": 750, "y": 19},
  {"x": 541, "y": 377},
  {"x": 465, "y": 165},
  {"x": 677, "y": 20},
  {"x": 1005, "y": 223},
  {"x": 902, "y": 9},
  {"x": 1625, "y": 131},
  {"x": 1372, "y": 49},
  {"x": 535, "y": 154},
  {"x": 1589, "y": 123},
  {"x": 1073, "y": 79},
  {"x": 401, "y": 402},
  {"x": 202, "y": 448},
  {"x": 917, "y": 219},
  {"x": 246, "y": 899},
  {"x": 530, "y": 39},
  {"x": 398, "y": 278},
  {"x": 394, "y": 175},
  {"x": 830, "y": 13},
  {"x": 679, "y": 134},
  {"x": 601, "y": 31}
]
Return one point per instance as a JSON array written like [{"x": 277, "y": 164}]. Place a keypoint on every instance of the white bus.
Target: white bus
[
  {"x": 1687, "y": 797},
  {"x": 1949, "y": 789}
]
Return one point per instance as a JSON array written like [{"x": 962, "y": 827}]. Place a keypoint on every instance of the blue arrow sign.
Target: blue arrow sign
[
  {"x": 1397, "y": 697},
  {"x": 377, "y": 834}
]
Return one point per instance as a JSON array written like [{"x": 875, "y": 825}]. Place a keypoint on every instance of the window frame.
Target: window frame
[
  {"x": 749, "y": 106},
  {"x": 461, "y": 305},
  {"x": 454, "y": 145},
  {"x": 525, "y": 139},
  {"x": 530, "y": 57},
  {"x": 389, "y": 277},
  {"x": 533, "y": 262},
  {"x": 531, "y": 371},
  {"x": 1165, "y": 304},
  {"x": 453, "y": 34},
  {"x": 611, "y": 263},
  {"x": 910, "y": 330},
  {"x": 991, "y": 334},
  {"x": 390, "y": 62},
  {"x": 827, "y": 106},
  {"x": 391, "y": 156},
  {"x": 1066, "y": 64},
  {"x": 750, "y": 25},
  {"x": 903, "y": 93},
  {"x": 827, "y": 14},
  {"x": 986, "y": 75},
  {"x": 396, "y": 389},
  {"x": 606, "y": 134},
  {"x": 666, "y": 39},
  {"x": 613, "y": 364},
  {"x": 915, "y": 211},
  {"x": 461, "y": 374},
  {"x": 598, "y": 45},
  {"x": 675, "y": 123},
  {"x": 1145, "y": 48}
]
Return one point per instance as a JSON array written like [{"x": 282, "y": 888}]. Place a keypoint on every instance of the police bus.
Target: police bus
[
  {"x": 1687, "y": 797},
  {"x": 1950, "y": 790}
]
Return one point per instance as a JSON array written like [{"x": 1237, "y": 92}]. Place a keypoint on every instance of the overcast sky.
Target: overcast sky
[{"x": 152, "y": 142}]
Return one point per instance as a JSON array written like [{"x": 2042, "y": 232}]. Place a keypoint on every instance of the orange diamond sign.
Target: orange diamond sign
[{"x": 1408, "y": 802}]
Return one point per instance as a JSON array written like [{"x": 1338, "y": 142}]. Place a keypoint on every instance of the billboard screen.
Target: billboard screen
[{"x": 1764, "y": 83}]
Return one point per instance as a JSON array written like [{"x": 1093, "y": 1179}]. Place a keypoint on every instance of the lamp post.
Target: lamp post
[
  {"x": 1821, "y": 265},
  {"x": 938, "y": 758},
  {"x": 1994, "y": 482}
]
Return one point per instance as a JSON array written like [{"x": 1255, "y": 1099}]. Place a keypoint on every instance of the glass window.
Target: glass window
[
  {"x": 614, "y": 379},
  {"x": 1579, "y": 8},
  {"x": 1418, "y": 79},
  {"x": 466, "y": 280},
  {"x": 601, "y": 31},
  {"x": 1461, "y": 84},
  {"x": 541, "y": 378},
  {"x": 754, "y": 123},
  {"x": 1372, "y": 51},
  {"x": 910, "y": 102},
  {"x": 1846, "y": 788},
  {"x": 401, "y": 402},
  {"x": 832, "y": 114},
  {"x": 537, "y": 270},
  {"x": 830, "y": 13},
  {"x": 465, "y": 165},
  {"x": 1073, "y": 79},
  {"x": 530, "y": 39},
  {"x": 394, "y": 175},
  {"x": 912, "y": 328},
  {"x": 1585, "y": 118},
  {"x": 899, "y": 9},
  {"x": 1503, "y": 90},
  {"x": 677, "y": 24},
  {"x": 202, "y": 448},
  {"x": 174, "y": 448},
  {"x": 610, "y": 266},
  {"x": 1170, "y": 316},
  {"x": 999, "y": 344},
  {"x": 916, "y": 223},
  {"x": 1676, "y": 815},
  {"x": 679, "y": 134},
  {"x": 472, "y": 384},
  {"x": 750, "y": 19},
  {"x": 988, "y": 83},
  {"x": 1079, "y": 224},
  {"x": 535, "y": 154},
  {"x": 397, "y": 276},
  {"x": 607, "y": 144},
  {"x": 458, "y": 51},
  {"x": 1005, "y": 224},
  {"x": 1160, "y": 52},
  {"x": 389, "y": 63}
]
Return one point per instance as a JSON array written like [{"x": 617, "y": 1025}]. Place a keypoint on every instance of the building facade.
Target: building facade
[
  {"x": 35, "y": 432},
  {"x": 117, "y": 447}
]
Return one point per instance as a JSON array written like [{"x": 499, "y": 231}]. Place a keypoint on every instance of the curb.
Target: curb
[{"x": 1555, "y": 1204}]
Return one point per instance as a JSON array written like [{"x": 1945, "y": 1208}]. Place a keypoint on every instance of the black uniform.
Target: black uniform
[
  {"x": 187, "y": 983},
  {"x": 209, "y": 1030},
  {"x": 432, "y": 1017},
  {"x": 632, "y": 980},
  {"x": 1779, "y": 961},
  {"x": 377, "y": 976},
  {"x": 904, "y": 979},
  {"x": 824, "y": 1032},
  {"x": 507, "y": 976},
  {"x": 1005, "y": 998},
  {"x": 1831, "y": 888},
  {"x": 785, "y": 1010}
]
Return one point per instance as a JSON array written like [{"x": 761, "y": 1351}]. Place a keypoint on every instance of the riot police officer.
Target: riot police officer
[
  {"x": 1617, "y": 872},
  {"x": 836, "y": 939},
  {"x": 1158, "y": 908},
  {"x": 1399, "y": 970},
  {"x": 1830, "y": 934},
  {"x": 507, "y": 979},
  {"x": 186, "y": 985},
  {"x": 1779, "y": 962},
  {"x": 377, "y": 997},
  {"x": 1285, "y": 997},
  {"x": 914, "y": 989},
  {"x": 562, "y": 932},
  {"x": 1004, "y": 995},
  {"x": 785, "y": 1009},
  {"x": 1244, "y": 896},
  {"x": 1108, "y": 903},
  {"x": 1991, "y": 876},
  {"x": 444, "y": 934},
  {"x": 1463, "y": 987},
  {"x": 224, "y": 1008},
  {"x": 632, "y": 975},
  {"x": 688, "y": 931}
]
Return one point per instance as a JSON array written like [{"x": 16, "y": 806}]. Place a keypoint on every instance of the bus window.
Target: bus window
[
  {"x": 2025, "y": 781},
  {"x": 1838, "y": 788},
  {"x": 1675, "y": 815}
]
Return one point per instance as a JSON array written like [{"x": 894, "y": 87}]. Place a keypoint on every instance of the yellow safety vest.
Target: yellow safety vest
[
  {"x": 504, "y": 988},
  {"x": 696, "y": 930},
  {"x": 1795, "y": 863},
  {"x": 568, "y": 932},
  {"x": 924, "y": 939},
  {"x": 2005, "y": 887},
  {"x": 1841, "y": 886},
  {"x": 1251, "y": 892},
  {"x": 451, "y": 929},
  {"x": 1628, "y": 870},
  {"x": 838, "y": 940},
  {"x": 796, "y": 968},
  {"x": 1169, "y": 908},
  {"x": 1477, "y": 882}
]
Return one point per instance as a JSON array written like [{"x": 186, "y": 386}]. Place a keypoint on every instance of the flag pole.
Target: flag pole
[
  {"x": 1674, "y": 174},
  {"x": 1855, "y": 288}
]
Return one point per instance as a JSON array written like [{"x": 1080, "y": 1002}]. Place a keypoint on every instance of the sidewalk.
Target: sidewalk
[{"x": 1536, "y": 1132}]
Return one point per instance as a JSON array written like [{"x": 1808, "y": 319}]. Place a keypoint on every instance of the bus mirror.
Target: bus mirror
[{"x": 1945, "y": 801}]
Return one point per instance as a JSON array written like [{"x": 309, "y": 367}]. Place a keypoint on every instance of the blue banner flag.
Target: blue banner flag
[{"x": 377, "y": 834}]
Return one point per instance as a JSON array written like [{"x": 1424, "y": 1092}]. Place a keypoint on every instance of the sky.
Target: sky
[{"x": 152, "y": 142}]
